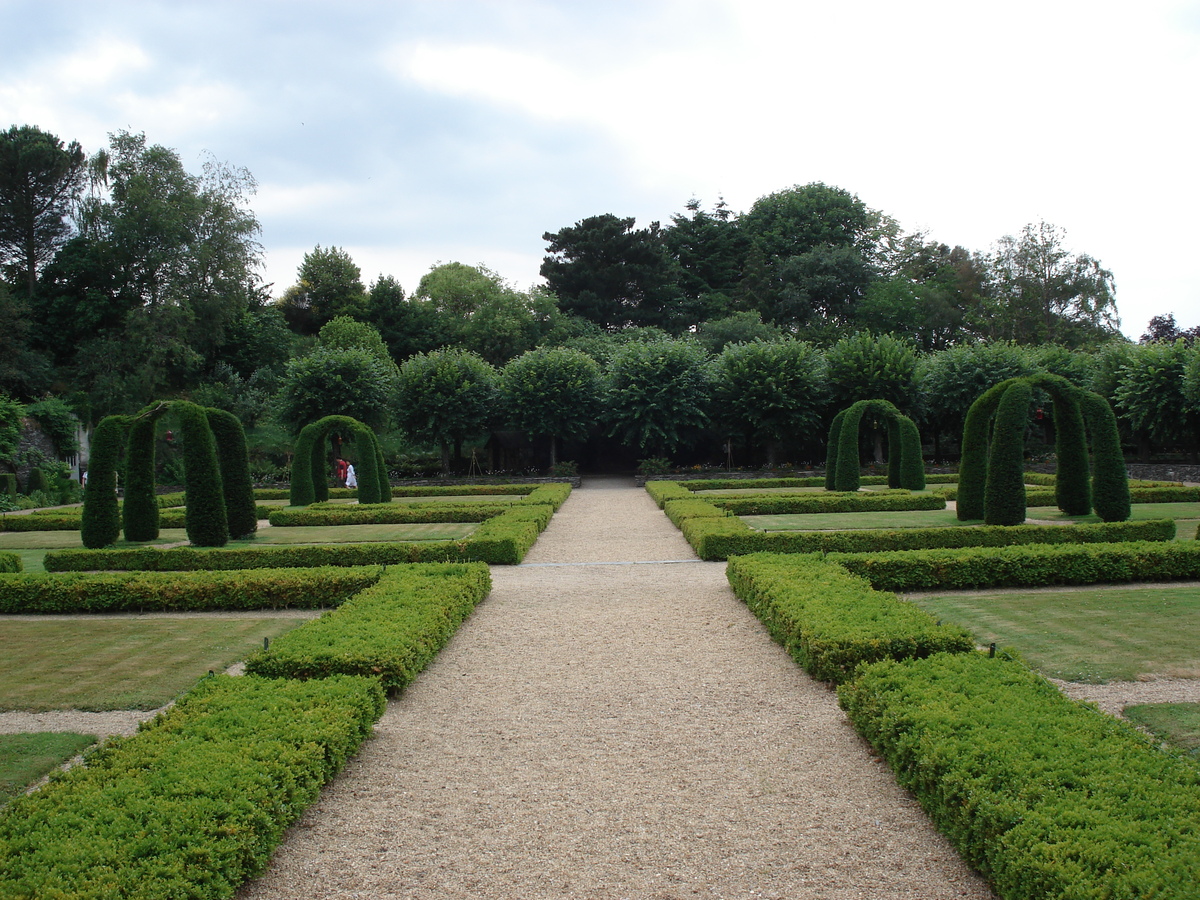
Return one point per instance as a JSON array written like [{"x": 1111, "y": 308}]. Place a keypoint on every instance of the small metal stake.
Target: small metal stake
[{"x": 991, "y": 651}]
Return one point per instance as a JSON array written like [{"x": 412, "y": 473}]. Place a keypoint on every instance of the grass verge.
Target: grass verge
[
  {"x": 1177, "y": 724},
  {"x": 24, "y": 758}
]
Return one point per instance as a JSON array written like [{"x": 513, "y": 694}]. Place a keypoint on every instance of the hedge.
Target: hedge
[
  {"x": 390, "y": 631},
  {"x": 1045, "y": 796},
  {"x": 830, "y": 621},
  {"x": 139, "y": 512},
  {"x": 47, "y": 520},
  {"x": 8, "y": 484},
  {"x": 721, "y": 538},
  {"x": 1004, "y": 500},
  {"x": 168, "y": 591},
  {"x": 503, "y": 540},
  {"x": 1026, "y": 566},
  {"x": 795, "y": 504},
  {"x": 10, "y": 562},
  {"x": 234, "y": 462},
  {"x": 380, "y": 514},
  {"x": 101, "y": 523},
  {"x": 194, "y": 804}
]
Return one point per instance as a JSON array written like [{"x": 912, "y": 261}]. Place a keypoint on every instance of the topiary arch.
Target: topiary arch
[
  {"x": 991, "y": 480},
  {"x": 906, "y": 469},
  {"x": 309, "y": 484},
  {"x": 211, "y": 507}
]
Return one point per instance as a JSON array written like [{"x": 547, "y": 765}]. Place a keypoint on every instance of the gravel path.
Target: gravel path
[{"x": 612, "y": 722}]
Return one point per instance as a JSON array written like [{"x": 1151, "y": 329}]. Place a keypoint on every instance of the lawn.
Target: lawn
[
  {"x": 1177, "y": 724},
  {"x": 24, "y": 758},
  {"x": 121, "y": 662},
  {"x": 1186, "y": 516},
  {"x": 920, "y": 518},
  {"x": 1094, "y": 634}
]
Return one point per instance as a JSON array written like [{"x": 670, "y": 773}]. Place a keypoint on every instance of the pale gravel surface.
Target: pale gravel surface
[{"x": 609, "y": 731}]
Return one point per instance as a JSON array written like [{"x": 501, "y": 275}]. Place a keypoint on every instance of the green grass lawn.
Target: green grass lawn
[
  {"x": 120, "y": 662},
  {"x": 1177, "y": 724},
  {"x": 918, "y": 518},
  {"x": 24, "y": 758},
  {"x": 1095, "y": 634},
  {"x": 1186, "y": 516}
]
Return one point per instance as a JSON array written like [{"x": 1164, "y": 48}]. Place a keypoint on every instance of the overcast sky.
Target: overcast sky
[{"x": 422, "y": 131}]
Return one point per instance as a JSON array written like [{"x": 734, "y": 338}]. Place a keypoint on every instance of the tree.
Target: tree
[
  {"x": 657, "y": 394},
  {"x": 769, "y": 393},
  {"x": 605, "y": 270},
  {"x": 337, "y": 381},
  {"x": 407, "y": 326},
  {"x": 11, "y": 413},
  {"x": 1041, "y": 293},
  {"x": 737, "y": 328},
  {"x": 445, "y": 397},
  {"x": 329, "y": 284},
  {"x": 481, "y": 312},
  {"x": 1164, "y": 328},
  {"x": 710, "y": 251},
  {"x": 345, "y": 333},
  {"x": 1150, "y": 396},
  {"x": 23, "y": 371},
  {"x": 553, "y": 392},
  {"x": 40, "y": 180},
  {"x": 868, "y": 367}
]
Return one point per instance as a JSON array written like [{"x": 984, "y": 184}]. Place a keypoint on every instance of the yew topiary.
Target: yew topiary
[
  {"x": 973, "y": 467},
  {"x": 100, "y": 523},
  {"x": 206, "y": 522},
  {"x": 140, "y": 509},
  {"x": 1004, "y": 497},
  {"x": 1110, "y": 478},
  {"x": 831, "y": 452},
  {"x": 234, "y": 461}
]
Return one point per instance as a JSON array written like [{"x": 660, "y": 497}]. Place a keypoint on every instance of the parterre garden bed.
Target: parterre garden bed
[
  {"x": 1045, "y": 796},
  {"x": 194, "y": 804}
]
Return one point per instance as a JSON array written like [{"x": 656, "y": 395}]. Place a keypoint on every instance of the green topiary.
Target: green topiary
[
  {"x": 100, "y": 523},
  {"x": 240, "y": 509},
  {"x": 912, "y": 464},
  {"x": 310, "y": 483},
  {"x": 847, "y": 478},
  {"x": 140, "y": 509},
  {"x": 831, "y": 450},
  {"x": 894, "y": 452},
  {"x": 303, "y": 490},
  {"x": 207, "y": 525},
  {"x": 973, "y": 467},
  {"x": 37, "y": 481},
  {"x": 8, "y": 484},
  {"x": 1073, "y": 487},
  {"x": 385, "y": 485},
  {"x": 1004, "y": 497},
  {"x": 904, "y": 441},
  {"x": 1110, "y": 479}
]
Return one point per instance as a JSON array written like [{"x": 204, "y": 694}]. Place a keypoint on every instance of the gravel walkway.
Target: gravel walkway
[{"x": 612, "y": 722}]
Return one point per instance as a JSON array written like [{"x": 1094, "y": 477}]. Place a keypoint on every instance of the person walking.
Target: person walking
[{"x": 351, "y": 478}]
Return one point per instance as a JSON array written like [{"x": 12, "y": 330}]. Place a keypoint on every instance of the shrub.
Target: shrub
[
  {"x": 831, "y": 622},
  {"x": 233, "y": 459},
  {"x": 8, "y": 484},
  {"x": 101, "y": 522},
  {"x": 195, "y": 803},
  {"x": 139, "y": 511},
  {"x": 1026, "y": 566},
  {"x": 207, "y": 524},
  {"x": 767, "y": 505},
  {"x": 1044, "y": 796},
  {"x": 9, "y": 562},
  {"x": 973, "y": 470},
  {"x": 385, "y": 514},
  {"x": 661, "y": 491},
  {"x": 716, "y": 539},
  {"x": 1004, "y": 494},
  {"x": 169, "y": 591},
  {"x": 38, "y": 482},
  {"x": 390, "y": 631}
]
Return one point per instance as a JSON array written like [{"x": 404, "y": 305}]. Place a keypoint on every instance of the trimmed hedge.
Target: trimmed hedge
[
  {"x": 662, "y": 491},
  {"x": 1044, "y": 796},
  {"x": 679, "y": 511},
  {"x": 234, "y": 462},
  {"x": 195, "y": 803},
  {"x": 871, "y": 501},
  {"x": 206, "y": 522},
  {"x": 390, "y": 631},
  {"x": 381, "y": 514},
  {"x": 168, "y": 591},
  {"x": 832, "y": 622},
  {"x": 8, "y": 484},
  {"x": 720, "y": 538},
  {"x": 101, "y": 523},
  {"x": 1026, "y": 566},
  {"x": 46, "y": 520},
  {"x": 503, "y": 541},
  {"x": 1004, "y": 493},
  {"x": 10, "y": 562},
  {"x": 139, "y": 512}
]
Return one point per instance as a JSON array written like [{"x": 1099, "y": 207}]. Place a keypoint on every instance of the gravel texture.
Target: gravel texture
[{"x": 612, "y": 722}]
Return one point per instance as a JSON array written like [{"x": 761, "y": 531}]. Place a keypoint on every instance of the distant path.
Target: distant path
[{"x": 612, "y": 722}]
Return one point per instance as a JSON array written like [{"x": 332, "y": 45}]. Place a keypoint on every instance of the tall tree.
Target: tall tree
[
  {"x": 407, "y": 325},
  {"x": 657, "y": 394},
  {"x": 40, "y": 181},
  {"x": 710, "y": 251},
  {"x": 609, "y": 272},
  {"x": 329, "y": 284},
  {"x": 864, "y": 366},
  {"x": 552, "y": 392},
  {"x": 1042, "y": 293}
]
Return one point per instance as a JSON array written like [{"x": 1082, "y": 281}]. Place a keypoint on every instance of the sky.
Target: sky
[{"x": 415, "y": 132}]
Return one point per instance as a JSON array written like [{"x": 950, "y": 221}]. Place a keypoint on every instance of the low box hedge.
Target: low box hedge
[
  {"x": 1046, "y": 797},
  {"x": 194, "y": 804},
  {"x": 717, "y": 539},
  {"x": 662, "y": 491},
  {"x": 389, "y": 631},
  {"x": 679, "y": 511},
  {"x": 52, "y": 520},
  {"x": 73, "y": 592},
  {"x": 502, "y": 540},
  {"x": 1033, "y": 565},
  {"x": 830, "y": 621},
  {"x": 829, "y": 502},
  {"x": 10, "y": 562},
  {"x": 384, "y": 514}
]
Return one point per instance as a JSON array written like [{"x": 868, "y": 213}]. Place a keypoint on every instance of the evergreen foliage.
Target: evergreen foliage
[
  {"x": 831, "y": 463},
  {"x": 101, "y": 520},
  {"x": 973, "y": 468},
  {"x": 37, "y": 481},
  {"x": 206, "y": 523},
  {"x": 140, "y": 509},
  {"x": 906, "y": 468},
  {"x": 1073, "y": 487},
  {"x": 309, "y": 480},
  {"x": 1004, "y": 495},
  {"x": 1110, "y": 478},
  {"x": 234, "y": 461},
  {"x": 912, "y": 464},
  {"x": 847, "y": 477}
]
